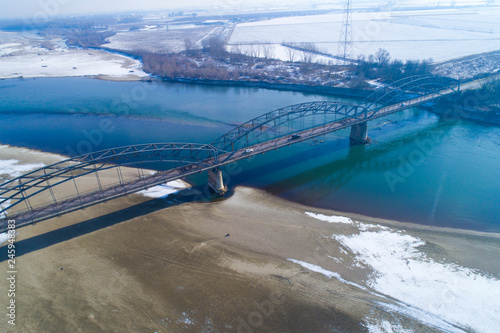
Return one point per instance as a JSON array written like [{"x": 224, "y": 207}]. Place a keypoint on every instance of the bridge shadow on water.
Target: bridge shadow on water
[
  {"x": 335, "y": 173},
  {"x": 50, "y": 238}
]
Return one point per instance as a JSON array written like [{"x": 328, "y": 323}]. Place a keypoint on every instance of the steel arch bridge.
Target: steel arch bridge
[{"x": 270, "y": 131}]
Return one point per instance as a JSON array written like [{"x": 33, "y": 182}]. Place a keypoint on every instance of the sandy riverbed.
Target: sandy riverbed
[{"x": 251, "y": 262}]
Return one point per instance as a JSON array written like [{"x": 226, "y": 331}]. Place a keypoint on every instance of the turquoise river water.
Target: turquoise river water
[{"x": 419, "y": 167}]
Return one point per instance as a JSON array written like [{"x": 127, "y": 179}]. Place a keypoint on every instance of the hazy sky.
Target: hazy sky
[
  {"x": 28, "y": 8},
  {"x": 43, "y": 8}
]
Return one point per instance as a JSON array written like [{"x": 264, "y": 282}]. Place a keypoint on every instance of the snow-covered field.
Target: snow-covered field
[
  {"x": 438, "y": 34},
  {"x": 30, "y": 56},
  {"x": 441, "y": 294},
  {"x": 159, "y": 39}
]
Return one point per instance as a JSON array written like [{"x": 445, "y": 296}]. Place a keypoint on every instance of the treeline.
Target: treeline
[
  {"x": 488, "y": 94},
  {"x": 57, "y": 24},
  {"x": 177, "y": 65},
  {"x": 88, "y": 37},
  {"x": 380, "y": 65}
]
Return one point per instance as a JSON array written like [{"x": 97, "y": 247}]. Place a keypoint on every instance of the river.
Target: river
[{"x": 419, "y": 167}]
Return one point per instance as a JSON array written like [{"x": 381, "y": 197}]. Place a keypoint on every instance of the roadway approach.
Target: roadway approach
[{"x": 63, "y": 187}]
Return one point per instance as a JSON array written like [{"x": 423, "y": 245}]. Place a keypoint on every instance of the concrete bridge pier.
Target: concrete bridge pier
[
  {"x": 216, "y": 182},
  {"x": 359, "y": 134}
]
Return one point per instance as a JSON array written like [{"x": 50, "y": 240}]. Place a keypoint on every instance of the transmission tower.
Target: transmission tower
[{"x": 345, "y": 41}]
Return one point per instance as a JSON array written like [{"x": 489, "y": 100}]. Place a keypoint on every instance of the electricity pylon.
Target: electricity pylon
[{"x": 345, "y": 51}]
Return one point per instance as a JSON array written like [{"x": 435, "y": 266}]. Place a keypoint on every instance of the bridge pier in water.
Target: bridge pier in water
[
  {"x": 359, "y": 134},
  {"x": 216, "y": 182}
]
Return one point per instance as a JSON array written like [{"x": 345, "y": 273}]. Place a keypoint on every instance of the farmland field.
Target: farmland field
[{"x": 439, "y": 34}]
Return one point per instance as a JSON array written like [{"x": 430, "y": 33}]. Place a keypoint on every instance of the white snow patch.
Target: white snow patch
[
  {"x": 385, "y": 326},
  {"x": 420, "y": 315},
  {"x": 337, "y": 260},
  {"x": 164, "y": 190},
  {"x": 13, "y": 169},
  {"x": 368, "y": 226},
  {"x": 3, "y": 238},
  {"x": 328, "y": 274},
  {"x": 330, "y": 219},
  {"x": 456, "y": 294},
  {"x": 185, "y": 319}
]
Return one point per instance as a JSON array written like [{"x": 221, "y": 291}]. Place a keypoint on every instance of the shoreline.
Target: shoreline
[
  {"x": 161, "y": 254},
  {"x": 136, "y": 245},
  {"x": 43, "y": 156},
  {"x": 318, "y": 90}
]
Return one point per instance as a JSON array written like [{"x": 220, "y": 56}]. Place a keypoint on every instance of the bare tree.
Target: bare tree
[
  {"x": 236, "y": 49},
  {"x": 189, "y": 46},
  {"x": 309, "y": 52},
  {"x": 291, "y": 52},
  {"x": 214, "y": 45},
  {"x": 382, "y": 57},
  {"x": 268, "y": 50},
  {"x": 254, "y": 50}
]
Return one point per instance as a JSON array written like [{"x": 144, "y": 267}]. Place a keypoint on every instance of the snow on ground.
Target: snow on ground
[
  {"x": 325, "y": 272},
  {"x": 13, "y": 168},
  {"x": 158, "y": 40},
  {"x": 438, "y": 34},
  {"x": 454, "y": 293},
  {"x": 26, "y": 57},
  {"x": 437, "y": 293},
  {"x": 16, "y": 161},
  {"x": 3, "y": 238},
  {"x": 385, "y": 326},
  {"x": 164, "y": 190},
  {"x": 330, "y": 219},
  {"x": 12, "y": 164}
]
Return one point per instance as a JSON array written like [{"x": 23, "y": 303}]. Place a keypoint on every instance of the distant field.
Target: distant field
[
  {"x": 439, "y": 34},
  {"x": 158, "y": 40}
]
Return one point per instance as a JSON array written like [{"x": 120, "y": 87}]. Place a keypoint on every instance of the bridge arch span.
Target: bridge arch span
[
  {"x": 409, "y": 87},
  {"x": 285, "y": 122},
  {"x": 270, "y": 131},
  {"x": 44, "y": 182}
]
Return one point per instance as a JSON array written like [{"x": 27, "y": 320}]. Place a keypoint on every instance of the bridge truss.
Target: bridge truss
[{"x": 275, "y": 129}]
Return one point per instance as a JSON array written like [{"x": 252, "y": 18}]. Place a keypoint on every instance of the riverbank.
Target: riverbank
[
  {"x": 322, "y": 90},
  {"x": 249, "y": 262},
  {"x": 29, "y": 56}
]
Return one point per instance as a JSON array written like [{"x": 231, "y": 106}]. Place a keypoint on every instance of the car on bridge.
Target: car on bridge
[
  {"x": 248, "y": 150},
  {"x": 295, "y": 137}
]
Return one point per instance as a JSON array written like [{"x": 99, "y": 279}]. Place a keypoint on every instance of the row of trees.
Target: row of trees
[
  {"x": 87, "y": 37},
  {"x": 215, "y": 46},
  {"x": 380, "y": 65},
  {"x": 177, "y": 65}
]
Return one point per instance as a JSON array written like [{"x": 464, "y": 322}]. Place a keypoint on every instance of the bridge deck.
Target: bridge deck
[{"x": 124, "y": 188}]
